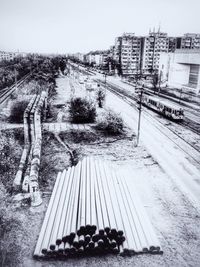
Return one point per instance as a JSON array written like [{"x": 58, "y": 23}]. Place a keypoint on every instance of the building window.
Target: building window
[{"x": 193, "y": 76}]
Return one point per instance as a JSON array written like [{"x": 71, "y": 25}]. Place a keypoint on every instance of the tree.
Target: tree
[
  {"x": 17, "y": 111},
  {"x": 155, "y": 80},
  {"x": 82, "y": 111},
  {"x": 62, "y": 66},
  {"x": 100, "y": 97}
]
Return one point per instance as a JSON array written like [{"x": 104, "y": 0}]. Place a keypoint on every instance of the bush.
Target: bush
[
  {"x": 82, "y": 111},
  {"x": 111, "y": 123},
  {"x": 17, "y": 111}
]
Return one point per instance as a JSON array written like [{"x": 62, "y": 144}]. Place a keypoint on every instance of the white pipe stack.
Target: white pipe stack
[
  {"x": 17, "y": 183},
  {"x": 28, "y": 171},
  {"x": 93, "y": 211},
  {"x": 36, "y": 151}
]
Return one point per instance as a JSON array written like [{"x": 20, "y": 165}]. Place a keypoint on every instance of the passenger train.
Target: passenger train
[{"x": 163, "y": 107}]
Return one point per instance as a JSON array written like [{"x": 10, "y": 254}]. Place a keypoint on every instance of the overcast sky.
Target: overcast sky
[{"x": 82, "y": 25}]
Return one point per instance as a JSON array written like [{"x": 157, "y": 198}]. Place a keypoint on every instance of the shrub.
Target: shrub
[
  {"x": 81, "y": 110},
  {"x": 111, "y": 123},
  {"x": 17, "y": 111}
]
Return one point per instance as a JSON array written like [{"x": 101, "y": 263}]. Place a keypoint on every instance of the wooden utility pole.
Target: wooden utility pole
[
  {"x": 181, "y": 91},
  {"x": 15, "y": 78},
  {"x": 105, "y": 81},
  {"x": 139, "y": 118}
]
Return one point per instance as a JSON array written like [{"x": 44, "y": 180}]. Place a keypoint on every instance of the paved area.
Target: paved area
[{"x": 63, "y": 126}]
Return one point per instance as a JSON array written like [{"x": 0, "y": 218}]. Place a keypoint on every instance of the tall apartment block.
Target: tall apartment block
[
  {"x": 153, "y": 45},
  {"x": 135, "y": 53},
  {"x": 188, "y": 41},
  {"x": 127, "y": 53}
]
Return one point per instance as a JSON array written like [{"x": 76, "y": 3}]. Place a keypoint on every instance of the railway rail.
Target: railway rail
[
  {"x": 191, "y": 112},
  {"x": 176, "y": 138},
  {"x": 192, "y": 118},
  {"x": 8, "y": 91},
  {"x": 169, "y": 96}
]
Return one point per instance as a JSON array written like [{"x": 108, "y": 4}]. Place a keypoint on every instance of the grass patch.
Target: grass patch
[
  {"x": 10, "y": 154},
  {"x": 54, "y": 159}
]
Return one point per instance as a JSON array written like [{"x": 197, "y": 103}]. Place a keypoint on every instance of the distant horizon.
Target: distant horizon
[
  {"x": 66, "y": 27},
  {"x": 100, "y": 49}
]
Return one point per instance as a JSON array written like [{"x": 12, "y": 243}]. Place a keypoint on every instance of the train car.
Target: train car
[{"x": 163, "y": 107}]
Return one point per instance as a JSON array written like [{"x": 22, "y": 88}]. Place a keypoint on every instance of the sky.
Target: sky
[{"x": 70, "y": 26}]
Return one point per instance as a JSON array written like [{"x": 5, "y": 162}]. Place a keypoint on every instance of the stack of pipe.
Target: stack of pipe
[
  {"x": 93, "y": 211},
  {"x": 24, "y": 158},
  {"x": 36, "y": 199},
  {"x": 28, "y": 172}
]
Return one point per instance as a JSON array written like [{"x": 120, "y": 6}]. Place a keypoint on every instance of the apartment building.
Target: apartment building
[
  {"x": 132, "y": 54},
  {"x": 7, "y": 55},
  {"x": 153, "y": 45},
  {"x": 189, "y": 41},
  {"x": 97, "y": 58},
  {"x": 127, "y": 53},
  {"x": 117, "y": 49}
]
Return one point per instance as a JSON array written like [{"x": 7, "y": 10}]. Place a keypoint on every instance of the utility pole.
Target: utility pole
[
  {"x": 181, "y": 91},
  {"x": 139, "y": 118},
  {"x": 159, "y": 82},
  {"x": 15, "y": 78},
  {"x": 78, "y": 71},
  {"x": 105, "y": 81},
  {"x": 105, "y": 76}
]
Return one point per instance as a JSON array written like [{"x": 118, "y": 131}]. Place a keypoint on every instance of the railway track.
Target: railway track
[
  {"x": 187, "y": 125},
  {"x": 175, "y": 99},
  {"x": 176, "y": 138},
  {"x": 7, "y": 92},
  {"x": 191, "y": 115}
]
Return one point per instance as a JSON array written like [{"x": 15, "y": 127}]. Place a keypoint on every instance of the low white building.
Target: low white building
[
  {"x": 7, "y": 55},
  {"x": 181, "y": 69}
]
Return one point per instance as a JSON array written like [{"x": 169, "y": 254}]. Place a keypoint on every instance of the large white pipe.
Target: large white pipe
[
  {"x": 51, "y": 221},
  {"x": 58, "y": 215},
  {"x": 65, "y": 207},
  {"x": 43, "y": 230}
]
